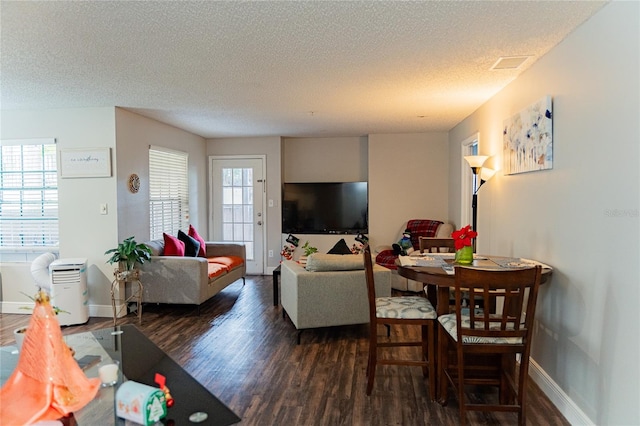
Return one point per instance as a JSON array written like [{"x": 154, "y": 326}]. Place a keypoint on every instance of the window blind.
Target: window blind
[
  {"x": 168, "y": 191},
  {"x": 28, "y": 195}
]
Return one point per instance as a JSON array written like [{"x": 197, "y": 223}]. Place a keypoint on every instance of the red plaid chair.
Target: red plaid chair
[{"x": 419, "y": 228}]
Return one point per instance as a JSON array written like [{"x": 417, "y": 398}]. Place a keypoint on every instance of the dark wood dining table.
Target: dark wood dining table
[{"x": 440, "y": 282}]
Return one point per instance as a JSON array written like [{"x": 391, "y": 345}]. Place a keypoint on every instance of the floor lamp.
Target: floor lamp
[{"x": 481, "y": 175}]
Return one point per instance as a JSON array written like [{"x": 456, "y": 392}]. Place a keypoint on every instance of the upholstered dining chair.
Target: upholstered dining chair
[
  {"x": 429, "y": 245},
  {"x": 399, "y": 310},
  {"x": 474, "y": 332}
]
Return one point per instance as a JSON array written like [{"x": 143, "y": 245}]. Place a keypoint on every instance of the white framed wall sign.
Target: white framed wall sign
[{"x": 85, "y": 162}]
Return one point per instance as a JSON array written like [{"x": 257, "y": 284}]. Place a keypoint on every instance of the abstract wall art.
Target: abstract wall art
[{"x": 527, "y": 139}]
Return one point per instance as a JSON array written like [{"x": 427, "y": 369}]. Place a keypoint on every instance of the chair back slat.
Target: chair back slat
[
  {"x": 435, "y": 245},
  {"x": 371, "y": 287},
  {"x": 517, "y": 288}
]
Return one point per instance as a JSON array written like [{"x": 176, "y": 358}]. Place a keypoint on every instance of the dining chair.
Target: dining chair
[
  {"x": 435, "y": 245},
  {"x": 428, "y": 244},
  {"x": 472, "y": 332},
  {"x": 399, "y": 310}
]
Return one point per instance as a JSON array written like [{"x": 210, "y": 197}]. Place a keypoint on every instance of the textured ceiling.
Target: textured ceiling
[{"x": 225, "y": 69}]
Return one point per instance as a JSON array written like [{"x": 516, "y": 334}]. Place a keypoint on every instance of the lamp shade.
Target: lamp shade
[
  {"x": 486, "y": 174},
  {"x": 476, "y": 160}
]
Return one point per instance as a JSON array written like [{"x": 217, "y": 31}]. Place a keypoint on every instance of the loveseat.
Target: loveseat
[
  {"x": 191, "y": 280},
  {"x": 329, "y": 291},
  {"x": 419, "y": 228}
]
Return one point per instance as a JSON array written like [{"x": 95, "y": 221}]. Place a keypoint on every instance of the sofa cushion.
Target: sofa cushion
[
  {"x": 340, "y": 247},
  {"x": 156, "y": 246},
  {"x": 215, "y": 270},
  {"x": 203, "y": 246},
  {"x": 334, "y": 262},
  {"x": 172, "y": 245},
  {"x": 228, "y": 262},
  {"x": 191, "y": 245}
]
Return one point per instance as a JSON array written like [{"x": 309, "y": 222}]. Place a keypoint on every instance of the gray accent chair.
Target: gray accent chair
[{"x": 330, "y": 291}]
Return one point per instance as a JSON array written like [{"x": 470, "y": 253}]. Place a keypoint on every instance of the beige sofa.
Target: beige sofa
[
  {"x": 330, "y": 291},
  {"x": 189, "y": 280}
]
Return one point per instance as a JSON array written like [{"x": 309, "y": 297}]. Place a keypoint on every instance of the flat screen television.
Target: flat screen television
[{"x": 325, "y": 208}]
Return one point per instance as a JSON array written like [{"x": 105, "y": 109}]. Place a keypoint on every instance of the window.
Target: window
[
  {"x": 237, "y": 207},
  {"x": 168, "y": 191},
  {"x": 28, "y": 197}
]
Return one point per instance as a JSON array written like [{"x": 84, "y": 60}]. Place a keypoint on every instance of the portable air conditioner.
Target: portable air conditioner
[{"x": 69, "y": 290}]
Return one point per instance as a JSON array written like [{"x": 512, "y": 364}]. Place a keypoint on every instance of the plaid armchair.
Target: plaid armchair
[{"x": 419, "y": 228}]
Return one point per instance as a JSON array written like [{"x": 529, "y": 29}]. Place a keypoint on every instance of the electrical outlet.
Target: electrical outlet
[{"x": 270, "y": 253}]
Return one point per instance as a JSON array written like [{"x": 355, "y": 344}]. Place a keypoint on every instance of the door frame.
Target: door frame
[
  {"x": 466, "y": 179},
  {"x": 263, "y": 198}
]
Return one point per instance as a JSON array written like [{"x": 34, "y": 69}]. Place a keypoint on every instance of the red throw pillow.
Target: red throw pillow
[
  {"x": 172, "y": 246},
  {"x": 193, "y": 234}
]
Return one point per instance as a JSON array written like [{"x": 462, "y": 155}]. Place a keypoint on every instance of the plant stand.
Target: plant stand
[{"x": 132, "y": 277}]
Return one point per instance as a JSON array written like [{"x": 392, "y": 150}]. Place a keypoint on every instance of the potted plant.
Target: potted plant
[
  {"x": 308, "y": 251},
  {"x": 128, "y": 254}
]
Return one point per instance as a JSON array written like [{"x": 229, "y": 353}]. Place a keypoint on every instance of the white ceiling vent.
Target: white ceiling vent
[{"x": 509, "y": 62}]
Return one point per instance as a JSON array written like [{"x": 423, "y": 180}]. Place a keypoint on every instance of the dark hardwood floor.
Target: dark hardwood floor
[{"x": 242, "y": 350}]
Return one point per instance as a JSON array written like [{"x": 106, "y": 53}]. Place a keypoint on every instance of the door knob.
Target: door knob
[{"x": 259, "y": 222}]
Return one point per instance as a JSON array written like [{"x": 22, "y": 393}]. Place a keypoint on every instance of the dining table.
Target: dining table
[{"x": 437, "y": 272}]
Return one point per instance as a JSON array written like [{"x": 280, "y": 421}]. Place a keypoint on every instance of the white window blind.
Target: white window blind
[
  {"x": 28, "y": 195},
  {"x": 168, "y": 191}
]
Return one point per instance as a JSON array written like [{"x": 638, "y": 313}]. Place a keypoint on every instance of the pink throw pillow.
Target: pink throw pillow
[
  {"x": 172, "y": 246},
  {"x": 193, "y": 234}
]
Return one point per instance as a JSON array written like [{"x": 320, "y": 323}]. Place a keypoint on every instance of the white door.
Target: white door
[{"x": 237, "y": 205}]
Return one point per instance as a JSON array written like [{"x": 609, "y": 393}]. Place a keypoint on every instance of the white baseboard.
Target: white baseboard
[
  {"x": 103, "y": 311},
  {"x": 557, "y": 396},
  {"x": 18, "y": 308}
]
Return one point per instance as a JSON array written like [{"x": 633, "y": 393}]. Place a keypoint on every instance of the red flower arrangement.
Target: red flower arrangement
[{"x": 463, "y": 237}]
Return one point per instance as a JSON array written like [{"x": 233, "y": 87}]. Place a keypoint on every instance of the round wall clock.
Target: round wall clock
[{"x": 134, "y": 183}]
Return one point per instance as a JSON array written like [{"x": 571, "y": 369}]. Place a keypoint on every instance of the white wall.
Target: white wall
[
  {"x": 337, "y": 159},
  {"x": 134, "y": 134},
  {"x": 582, "y": 217},
  {"x": 84, "y": 232},
  {"x": 408, "y": 179},
  {"x": 271, "y": 148},
  {"x": 324, "y": 159}
]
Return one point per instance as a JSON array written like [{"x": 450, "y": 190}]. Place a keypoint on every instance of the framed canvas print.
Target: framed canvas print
[
  {"x": 527, "y": 139},
  {"x": 82, "y": 163}
]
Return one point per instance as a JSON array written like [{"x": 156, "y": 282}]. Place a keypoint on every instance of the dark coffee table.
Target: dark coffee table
[
  {"x": 140, "y": 359},
  {"x": 276, "y": 276}
]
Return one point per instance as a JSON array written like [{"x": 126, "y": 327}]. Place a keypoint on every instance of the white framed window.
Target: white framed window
[
  {"x": 467, "y": 179},
  {"x": 168, "y": 191},
  {"x": 28, "y": 198}
]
